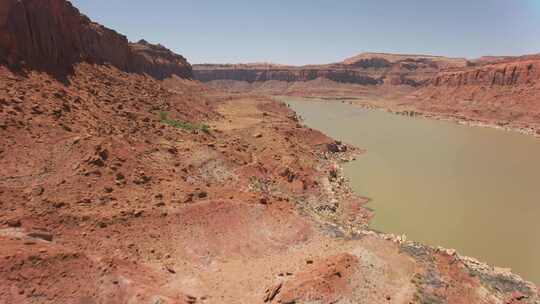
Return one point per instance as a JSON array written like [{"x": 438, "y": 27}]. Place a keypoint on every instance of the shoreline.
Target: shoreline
[
  {"x": 465, "y": 121},
  {"x": 341, "y": 189}
]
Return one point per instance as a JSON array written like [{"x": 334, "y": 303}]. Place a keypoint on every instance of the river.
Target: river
[{"x": 473, "y": 189}]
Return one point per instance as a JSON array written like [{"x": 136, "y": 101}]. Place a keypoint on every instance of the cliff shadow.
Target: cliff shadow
[{"x": 61, "y": 74}]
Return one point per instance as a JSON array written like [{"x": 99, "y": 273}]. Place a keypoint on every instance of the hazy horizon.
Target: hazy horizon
[{"x": 316, "y": 32}]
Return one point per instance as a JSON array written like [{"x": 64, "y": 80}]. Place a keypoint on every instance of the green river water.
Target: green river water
[{"x": 473, "y": 189}]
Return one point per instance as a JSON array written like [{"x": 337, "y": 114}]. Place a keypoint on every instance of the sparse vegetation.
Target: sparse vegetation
[
  {"x": 163, "y": 118},
  {"x": 259, "y": 185}
]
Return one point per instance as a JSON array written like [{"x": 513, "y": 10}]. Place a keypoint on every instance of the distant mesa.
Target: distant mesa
[
  {"x": 440, "y": 61},
  {"x": 363, "y": 69},
  {"x": 414, "y": 71}
]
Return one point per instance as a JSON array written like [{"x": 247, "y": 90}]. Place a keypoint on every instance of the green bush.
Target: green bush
[{"x": 182, "y": 125}]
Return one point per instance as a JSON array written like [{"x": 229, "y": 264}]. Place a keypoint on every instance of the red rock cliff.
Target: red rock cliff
[
  {"x": 502, "y": 90},
  {"x": 53, "y": 35},
  {"x": 505, "y": 72}
]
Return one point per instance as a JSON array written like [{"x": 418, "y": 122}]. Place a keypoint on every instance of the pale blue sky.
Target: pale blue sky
[{"x": 323, "y": 31}]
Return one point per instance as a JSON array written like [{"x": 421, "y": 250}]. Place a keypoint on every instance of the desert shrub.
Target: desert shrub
[{"x": 163, "y": 118}]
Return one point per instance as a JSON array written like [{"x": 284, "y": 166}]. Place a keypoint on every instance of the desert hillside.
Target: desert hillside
[{"x": 125, "y": 181}]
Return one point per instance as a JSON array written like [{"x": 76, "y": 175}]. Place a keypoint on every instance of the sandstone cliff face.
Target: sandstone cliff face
[
  {"x": 364, "y": 69},
  {"x": 503, "y": 91},
  {"x": 500, "y": 73},
  {"x": 52, "y": 35},
  {"x": 290, "y": 74}
]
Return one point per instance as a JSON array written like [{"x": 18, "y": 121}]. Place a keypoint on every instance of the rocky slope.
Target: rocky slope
[
  {"x": 52, "y": 35},
  {"x": 364, "y": 69},
  {"x": 119, "y": 187},
  {"x": 108, "y": 203}
]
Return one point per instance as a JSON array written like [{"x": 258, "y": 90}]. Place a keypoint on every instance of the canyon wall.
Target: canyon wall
[
  {"x": 206, "y": 73},
  {"x": 505, "y": 72},
  {"x": 364, "y": 69},
  {"x": 53, "y": 35},
  {"x": 502, "y": 91}
]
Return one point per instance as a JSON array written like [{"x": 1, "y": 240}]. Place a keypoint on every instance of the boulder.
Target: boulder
[{"x": 43, "y": 235}]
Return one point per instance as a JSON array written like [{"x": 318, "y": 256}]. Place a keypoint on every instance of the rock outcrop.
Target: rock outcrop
[
  {"x": 52, "y": 35},
  {"x": 157, "y": 61}
]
